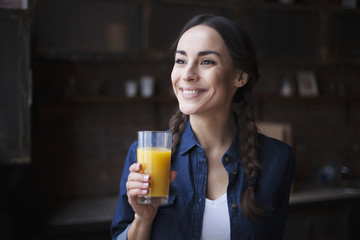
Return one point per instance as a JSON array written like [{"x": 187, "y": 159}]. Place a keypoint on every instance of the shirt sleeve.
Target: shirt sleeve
[
  {"x": 124, "y": 214},
  {"x": 281, "y": 210},
  {"x": 123, "y": 235}
]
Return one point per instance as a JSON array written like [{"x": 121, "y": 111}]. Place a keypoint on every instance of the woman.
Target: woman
[{"x": 228, "y": 181}]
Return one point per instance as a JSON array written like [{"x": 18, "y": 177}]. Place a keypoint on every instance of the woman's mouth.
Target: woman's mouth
[{"x": 190, "y": 93}]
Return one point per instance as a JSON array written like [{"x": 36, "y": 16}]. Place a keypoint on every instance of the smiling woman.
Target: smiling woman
[
  {"x": 221, "y": 166},
  {"x": 204, "y": 78}
]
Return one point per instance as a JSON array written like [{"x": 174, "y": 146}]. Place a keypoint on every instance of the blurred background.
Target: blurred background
[{"x": 78, "y": 78}]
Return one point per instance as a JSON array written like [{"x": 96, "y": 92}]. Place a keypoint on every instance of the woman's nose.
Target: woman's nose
[{"x": 190, "y": 73}]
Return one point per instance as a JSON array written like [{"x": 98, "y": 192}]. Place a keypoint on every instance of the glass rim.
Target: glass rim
[{"x": 153, "y": 131}]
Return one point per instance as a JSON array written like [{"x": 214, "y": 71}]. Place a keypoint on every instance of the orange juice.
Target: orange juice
[{"x": 156, "y": 163}]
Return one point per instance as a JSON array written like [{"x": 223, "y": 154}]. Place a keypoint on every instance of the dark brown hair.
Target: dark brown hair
[{"x": 243, "y": 55}]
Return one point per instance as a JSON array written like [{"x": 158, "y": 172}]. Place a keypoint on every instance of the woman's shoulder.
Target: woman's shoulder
[
  {"x": 275, "y": 146},
  {"x": 275, "y": 152},
  {"x": 133, "y": 145},
  {"x": 132, "y": 153},
  {"x": 277, "y": 164}
]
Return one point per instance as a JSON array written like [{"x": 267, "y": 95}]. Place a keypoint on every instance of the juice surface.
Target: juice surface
[{"x": 156, "y": 162}]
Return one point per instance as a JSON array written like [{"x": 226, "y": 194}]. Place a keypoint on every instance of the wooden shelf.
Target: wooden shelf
[
  {"x": 321, "y": 98},
  {"x": 263, "y": 98},
  {"x": 52, "y": 55},
  {"x": 113, "y": 99}
]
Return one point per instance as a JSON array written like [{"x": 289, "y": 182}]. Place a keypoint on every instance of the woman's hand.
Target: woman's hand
[{"x": 139, "y": 184}]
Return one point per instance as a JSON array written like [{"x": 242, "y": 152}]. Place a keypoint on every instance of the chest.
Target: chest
[
  {"x": 217, "y": 180},
  {"x": 184, "y": 215}
]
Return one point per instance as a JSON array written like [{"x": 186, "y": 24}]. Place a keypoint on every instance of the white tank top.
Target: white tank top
[{"x": 216, "y": 220}]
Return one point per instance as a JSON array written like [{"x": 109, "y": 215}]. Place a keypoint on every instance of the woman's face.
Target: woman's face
[{"x": 203, "y": 77}]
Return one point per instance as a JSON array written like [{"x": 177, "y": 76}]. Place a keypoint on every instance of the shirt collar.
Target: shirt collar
[
  {"x": 234, "y": 150},
  {"x": 189, "y": 141}
]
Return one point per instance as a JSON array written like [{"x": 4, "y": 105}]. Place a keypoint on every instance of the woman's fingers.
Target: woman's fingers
[
  {"x": 136, "y": 192},
  {"x": 138, "y": 183},
  {"x": 134, "y": 189},
  {"x": 138, "y": 177},
  {"x": 172, "y": 176},
  {"x": 135, "y": 167}
]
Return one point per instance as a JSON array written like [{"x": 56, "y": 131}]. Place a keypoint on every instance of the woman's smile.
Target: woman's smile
[{"x": 189, "y": 93}]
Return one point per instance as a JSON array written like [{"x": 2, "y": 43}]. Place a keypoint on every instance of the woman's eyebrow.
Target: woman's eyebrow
[
  {"x": 181, "y": 52},
  {"x": 201, "y": 53}
]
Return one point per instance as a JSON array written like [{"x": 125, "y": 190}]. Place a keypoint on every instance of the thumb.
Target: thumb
[{"x": 172, "y": 176}]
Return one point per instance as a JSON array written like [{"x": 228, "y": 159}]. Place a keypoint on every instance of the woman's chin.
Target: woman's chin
[{"x": 188, "y": 110}]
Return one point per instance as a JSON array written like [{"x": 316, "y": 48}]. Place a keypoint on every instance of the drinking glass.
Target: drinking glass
[{"x": 154, "y": 153}]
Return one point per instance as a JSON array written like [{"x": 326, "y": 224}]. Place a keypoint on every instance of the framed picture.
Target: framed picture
[{"x": 307, "y": 84}]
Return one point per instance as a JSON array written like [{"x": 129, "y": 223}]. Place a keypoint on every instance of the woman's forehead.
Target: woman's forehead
[{"x": 201, "y": 37}]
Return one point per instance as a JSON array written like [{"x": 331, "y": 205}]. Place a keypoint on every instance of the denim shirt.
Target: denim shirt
[{"x": 182, "y": 217}]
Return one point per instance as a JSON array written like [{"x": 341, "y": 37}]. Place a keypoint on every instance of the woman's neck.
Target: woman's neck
[{"x": 214, "y": 132}]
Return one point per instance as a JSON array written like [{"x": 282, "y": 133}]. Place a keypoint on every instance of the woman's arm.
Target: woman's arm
[
  {"x": 280, "y": 213},
  {"x": 140, "y": 229},
  {"x": 138, "y": 184},
  {"x": 133, "y": 220}
]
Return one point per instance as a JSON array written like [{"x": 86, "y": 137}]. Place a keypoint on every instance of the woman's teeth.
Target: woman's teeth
[{"x": 190, "y": 92}]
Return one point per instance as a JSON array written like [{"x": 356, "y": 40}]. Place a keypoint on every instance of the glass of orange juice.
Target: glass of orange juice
[{"x": 154, "y": 153}]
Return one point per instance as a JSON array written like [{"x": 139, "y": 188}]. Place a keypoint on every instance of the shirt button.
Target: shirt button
[
  {"x": 227, "y": 158},
  {"x": 234, "y": 206},
  {"x": 234, "y": 173}
]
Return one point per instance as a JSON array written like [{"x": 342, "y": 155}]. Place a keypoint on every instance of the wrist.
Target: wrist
[
  {"x": 140, "y": 228},
  {"x": 143, "y": 220}
]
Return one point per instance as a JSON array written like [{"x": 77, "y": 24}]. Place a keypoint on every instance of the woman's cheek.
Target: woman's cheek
[{"x": 174, "y": 80}]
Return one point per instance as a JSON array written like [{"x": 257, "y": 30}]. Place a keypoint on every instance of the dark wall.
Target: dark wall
[
  {"x": 15, "y": 87},
  {"x": 83, "y": 124}
]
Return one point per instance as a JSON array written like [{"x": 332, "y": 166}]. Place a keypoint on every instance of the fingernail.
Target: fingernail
[
  {"x": 144, "y": 191},
  {"x": 139, "y": 166},
  {"x": 146, "y": 184},
  {"x": 146, "y": 178}
]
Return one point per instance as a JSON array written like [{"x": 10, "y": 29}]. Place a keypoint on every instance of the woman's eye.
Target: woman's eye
[
  {"x": 207, "y": 62},
  {"x": 179, "y": 61}
]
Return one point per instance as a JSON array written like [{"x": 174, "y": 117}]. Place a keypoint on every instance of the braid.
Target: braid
[
  {"x": 177, "y": 127},
  {"x": 249, "y": 152}
]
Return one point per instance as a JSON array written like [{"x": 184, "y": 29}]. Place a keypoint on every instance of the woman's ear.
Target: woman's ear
[{"x": 242, "y": 79}]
